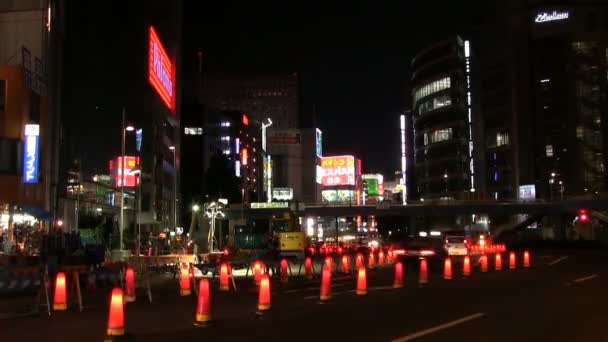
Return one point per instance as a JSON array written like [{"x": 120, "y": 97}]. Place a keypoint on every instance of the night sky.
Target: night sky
[{"x": 353, "y": 58}]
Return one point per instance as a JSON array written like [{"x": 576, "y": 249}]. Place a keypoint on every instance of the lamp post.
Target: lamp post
[
  {"x": 213, "y": 211},
  {"x": 561, "y": 190},
  {"x": 267, "y": 162},
  {"x": 125, "y": 129},
  {"x": 172, "y": 148},
  {"x": 551, "y": 181}
]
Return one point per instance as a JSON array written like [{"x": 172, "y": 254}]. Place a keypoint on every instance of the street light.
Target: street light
[
  {"x": 124, "y": 131},
  {"x": 213, "y": 211},
  {"x": 172, "y": 149},
  {"x": 195, "y": 208}
]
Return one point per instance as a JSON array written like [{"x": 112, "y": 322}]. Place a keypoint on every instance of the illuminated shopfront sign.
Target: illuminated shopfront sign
[
  {"x": 160, "y": 70},
  {"x": 282, "y": 194},
  {"x": 338, "y": 170},
  {"x": 342, "y": 196},
  {"x": 271, "y": 205},
  {"x": 544, "y": 17},
  {"x": 130, "y": 177},
  {"x": 375, "y": 184},
  {"x": 31, "y": 153},
  {"x": 319, "y": 142}
]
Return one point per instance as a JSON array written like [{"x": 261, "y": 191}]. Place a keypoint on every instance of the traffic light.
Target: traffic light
[{"x": 583, "y": 217}]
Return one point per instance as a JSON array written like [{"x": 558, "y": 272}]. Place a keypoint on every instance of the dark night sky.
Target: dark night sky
[{"x": 353, "y": 58}]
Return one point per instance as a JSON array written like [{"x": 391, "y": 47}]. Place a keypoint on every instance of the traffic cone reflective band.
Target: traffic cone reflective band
[
  {"x": 116, "y": 319},
  {"x": 224, "y": 284},
  {"x": 184, "y": 281},
  {"x": 447, "y": 269},
  {"x": 345, "y": 264},
  {"x": 484, "y": 263},
  {"x": 325, "y": 285},
  {"x": 371, "y": 260},
  {"x": 308, "y": 267},
  {"x": 257, "y": 272},
  {"x": 424, "y": 276},
  {"x": 130, "y": 285},
  {"x": 60, "y": 300},
  {"x": 466, "y": 266},
  {"x": 381, "y": 257},
  {"x": 498, "y": 262},
  {"x": 264, "y": 294},
  {"x": 512, "y": 261},
  {"x": 359, "y": 260},
  {"x": 398, "y": 283},
  {"x": 526, "y": 259},
  {"x": 361, "y": 282},
  {"x": 203, "y": 305},
  {"x": 284, "y": 274}
]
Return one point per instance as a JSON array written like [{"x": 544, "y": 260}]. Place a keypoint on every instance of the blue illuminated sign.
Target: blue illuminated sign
[
  {"x": 138, "y": 139},
  {"x": 319, "y": 142},
  {"x": 31, "y": 154}
]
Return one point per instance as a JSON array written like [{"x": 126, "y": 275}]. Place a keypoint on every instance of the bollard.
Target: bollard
[
  {"x": 264, "y": 295},
  {"x": 423, "y": 277},
  {"x": 224, "y": 284},
  {"x": 60, "y": 300},
  {"x": 325, "y": 286},
  {"x": 203, "y": 307},
  {"x": 361, "y": 282},
  {"x": 484, "y": 263},
  {"x": 498, "y": 262},
  {"x": 398, "y": 283},
  {"x": 130, "y": 285},
  {"x": 308, "y": 267},
  {"x": 116, "y": 319},
  {"x": 466, "y": 266},
  {"x": 512, "y": 261},
  {"x": 284, "y": 274},
  {"x": 345, "y": 264},
  {"x": 447, "y": 269},
  {"x": 526, "y": 259},
  {"x": 184, "y": 281}
]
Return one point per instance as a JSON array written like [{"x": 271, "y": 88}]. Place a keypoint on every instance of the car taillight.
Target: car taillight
[
  {"x": 427, "y": 252},
  {"x": 398, "y": 251}
]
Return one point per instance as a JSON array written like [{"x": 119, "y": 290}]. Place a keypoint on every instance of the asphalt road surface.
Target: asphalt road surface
[{"x": 562, "y": 297}]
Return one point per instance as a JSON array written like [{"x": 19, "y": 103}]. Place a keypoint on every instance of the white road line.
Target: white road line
[
  {"x": 439, "y": 327},
  {"x": 580, "y": 280},
  {"x": 374, "y": 288},
  {"x": 558, "y": 260}
]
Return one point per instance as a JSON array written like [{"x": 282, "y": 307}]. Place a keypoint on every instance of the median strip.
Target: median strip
[{"x": 439, "y": 327}]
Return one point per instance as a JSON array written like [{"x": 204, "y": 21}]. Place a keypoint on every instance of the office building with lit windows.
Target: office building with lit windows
[{"x": 444, "y": 121}]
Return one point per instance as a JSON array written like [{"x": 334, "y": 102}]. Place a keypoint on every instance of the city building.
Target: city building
[
  {"x": 31, "y": 35},
  {"x": 446, "y": 124}
]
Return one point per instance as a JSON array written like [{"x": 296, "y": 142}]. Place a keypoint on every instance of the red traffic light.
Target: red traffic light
[{"x": 582, "y": 216}]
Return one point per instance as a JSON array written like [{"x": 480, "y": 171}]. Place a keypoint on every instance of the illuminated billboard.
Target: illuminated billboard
[
  {"x": 338, "y": 170},
  {"x": 375, "y": 184},
  {"x": 31, "y": 154},
  {"x": 160, "y": 70},
  {"x": 130, "y": 176},
  {"x": 341, "y": 196}
]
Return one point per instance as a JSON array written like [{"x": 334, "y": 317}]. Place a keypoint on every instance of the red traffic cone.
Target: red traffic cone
[
  {"x": 224, "y": 284},
  {"x": 398, "y": 283},
  {"x": 308, "y": 267},
  {"x": 345, "y": 264},
  {"x": 447, "y": 269},
  {"x": 60, "y": 300},
  {"x": 361, "y": 282},
  {"x": 329, "y": 262},
  {"x": 284, "y": 274},
  {"x": 264, "y": 294},
  {"x": 184, "y": 281},
  {"x": 203, "y": 306},
  {"x": 498, "y": 262},
  {"x": 381, "y": 257},
  {"x": 466, "y": 266},
  {"x": 423, "y": 276},
  {"x": 130, "y": 285},
  {"x": 371, "y": 260},
  {"x": 257, "y": 272},
  {"x": 389, "y": 256},
  {"x": 526, "y": 259},
  {"x": 116, "y": 319},
  {"x": 325, "y": 285},
  {"x": 512, "y": 261},
  {"x": 484, "y": 263},
  {"x": 359, "y": 260}
]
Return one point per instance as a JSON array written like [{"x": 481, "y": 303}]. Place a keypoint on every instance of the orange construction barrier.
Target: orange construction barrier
[
  {"x": 398, "y": 283},
  {"x": 381, "y": 257},
  {"x": 498, "y": 262},
  {"x": 361, "y": 282},
  {"x": 325, "y": 285},
  {"x": 203, "y": 306},
  {"x": 308, "y": 267},
  {"x": 284, "y": 274},
  {"x": 264, "y": 294},
  {"x": 224, "y": 283},
  {"x": 484, "y": 263},
  {"x": 130, "y": 285},
  {"x": 512, "y": 261},
  {"x": 423, "y": 277},
  {"x": 526, "y": 259},
  {"x": 60, "y": 300},
  {"x": 257, "y": 272},
  {"x": 184, "y": 281},
  {"x": 466, "y": 266},
  {"x": 116, "y": 319},
  {"x": 447, "y": 269},
  {"x": 345, "y": 264}
]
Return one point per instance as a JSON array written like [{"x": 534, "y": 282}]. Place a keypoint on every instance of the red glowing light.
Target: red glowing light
[
  {"x": 116, "y": 319},
  {"x": 244, "y": 156},
  {"x": 245, "y": 119},
  {"x": 160, "y": 70},
  {"x": 427, "y": 252}
]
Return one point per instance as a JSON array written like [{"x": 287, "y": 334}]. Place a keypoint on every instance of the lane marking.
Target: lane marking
[
  {"x": 439, "y": 327},
  {"x": 311, "y": 288},
  {"x": 558, "y": 260},
  {"x": 375, "y": 288},
  {"x": 582, "y": 279}
]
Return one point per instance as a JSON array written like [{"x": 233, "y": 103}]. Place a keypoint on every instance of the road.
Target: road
[{"x": 561, "y": 298}]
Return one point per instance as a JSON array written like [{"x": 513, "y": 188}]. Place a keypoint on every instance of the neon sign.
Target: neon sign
[
  {"x": 544, "y": 17},
  {"x": 338, "y": 170},
  {"x": 31, "y": 154},
  {"x": 130, "y": 176},
  {"x": 160, "y": 69}
]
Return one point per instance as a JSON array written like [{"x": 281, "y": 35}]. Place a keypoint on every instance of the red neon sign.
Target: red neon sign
[
  {"x": 338, "y": 170},
  {"x": 244, "y": 156},
  {"x": 130, "y": 178},
  {"x": 245, "y": 119},
  {"x": 160, "y": 69}
]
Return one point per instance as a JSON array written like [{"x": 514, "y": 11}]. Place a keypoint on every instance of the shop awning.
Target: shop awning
[{"x": 37, "y": 212}]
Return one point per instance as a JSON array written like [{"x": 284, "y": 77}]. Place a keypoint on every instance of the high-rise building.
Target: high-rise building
[{"x": 446, "y": 121}]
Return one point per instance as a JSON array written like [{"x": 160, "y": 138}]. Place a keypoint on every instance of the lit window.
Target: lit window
[
  {"x": 431, "y": 88},
  {"x": 435, "y": 103},
  {"x": 502, "y": 138},
  {"x": 438, "y": 135},
  {"x": 225, "y": 124},
  {"x": 579, "y": 132},
  {"x": 549, "y": 150},
  {"x": 193, "y": 130}
]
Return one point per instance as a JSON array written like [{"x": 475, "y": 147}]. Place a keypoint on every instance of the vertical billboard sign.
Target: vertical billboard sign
[
  {"x": 160, "y": 70},
  {"x": 139, "y": 135},
  {"x": 338, "y": 170},
  {"x": 130, "y": 177},
  {"x": 319, "y": 142},
  {"x": 31, "y": 153}
]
